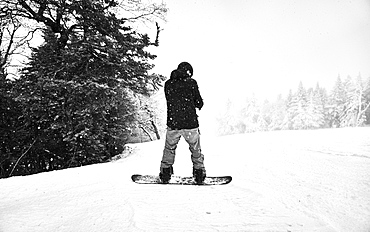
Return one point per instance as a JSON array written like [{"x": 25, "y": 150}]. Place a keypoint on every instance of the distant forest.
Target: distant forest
[{"x": 346, "y": 105}]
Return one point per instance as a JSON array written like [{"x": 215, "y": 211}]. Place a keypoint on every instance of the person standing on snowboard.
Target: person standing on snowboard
[{"x": 183, "y": 97}]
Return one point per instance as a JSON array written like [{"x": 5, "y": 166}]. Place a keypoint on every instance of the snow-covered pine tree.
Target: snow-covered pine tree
[
  {"x": 367, "y": 100},
  {"x": 319, "y": 102},
  {"x": 335, "y": 105},
  {"x": 264, "y": 119},
  {"x": 278, "y": 112},
  {"x": 298, "y": 109},
  {"x": 314, "y": 110},
  {"x": 76, "y": 91},
  {"x": 226, "y": 119},
  {"x": 250, "y": 114},
  {"x": 289, "y": 106}
]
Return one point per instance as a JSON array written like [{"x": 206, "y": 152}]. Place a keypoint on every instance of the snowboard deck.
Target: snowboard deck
[{"x": 179, "y": 180}]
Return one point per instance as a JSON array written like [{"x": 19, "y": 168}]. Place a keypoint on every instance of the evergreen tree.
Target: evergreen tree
[
  {"x": 277, "y": 114},
  {"x": 250, "y": 115},
  {"x": 264, "y": 117},
  {"x": 298, "y": 109},
  {"x": 367, "y": 101},
  {"x": 289, "y": 106},
  {"x": 11, "y": 131},
  {"x": 318, "y": 98},
  {"x": 336, "y": 103},
  {"x": 74, "y": 117},
  {"x": 226, "y": 119},
  {"x": 77, "y": 95},
  {"x": 314, "y": 110}
]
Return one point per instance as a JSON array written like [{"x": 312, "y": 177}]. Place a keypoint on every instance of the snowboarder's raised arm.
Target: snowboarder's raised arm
[{"x": 198, "y": 100}]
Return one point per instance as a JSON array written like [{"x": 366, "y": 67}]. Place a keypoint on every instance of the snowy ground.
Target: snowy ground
[{"x": 282, "y": 181}]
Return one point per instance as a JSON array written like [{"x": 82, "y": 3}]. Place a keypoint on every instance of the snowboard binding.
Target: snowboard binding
[{"x": 165, "y": 174}]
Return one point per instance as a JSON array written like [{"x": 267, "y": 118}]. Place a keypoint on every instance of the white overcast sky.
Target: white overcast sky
[{"x": 240, "y": 47}]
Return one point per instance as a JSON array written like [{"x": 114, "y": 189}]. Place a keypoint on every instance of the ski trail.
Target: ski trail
[
  {"x": 278, "y": 185},
  {"x": 69, "y": 200}
]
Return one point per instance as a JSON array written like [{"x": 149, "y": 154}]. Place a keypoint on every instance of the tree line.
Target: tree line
[
  {"x": 346, "y": 105},
  {"x": 83, "y": 94}
]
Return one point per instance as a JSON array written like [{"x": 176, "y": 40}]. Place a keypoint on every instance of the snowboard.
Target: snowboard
[{"x": 179, "y": 180}]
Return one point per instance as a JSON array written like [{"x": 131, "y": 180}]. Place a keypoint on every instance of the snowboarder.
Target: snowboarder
[{"x": 183, "y": 97}]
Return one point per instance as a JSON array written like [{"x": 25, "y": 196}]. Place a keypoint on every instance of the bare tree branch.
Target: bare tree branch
[
  {"x": 10, "y": 44},
  {"x": 10, "y": 26},
  {"x": 156, "y": 43},
  {"x": 15, "y": 165},
  {"x": 142, "y": 15}
]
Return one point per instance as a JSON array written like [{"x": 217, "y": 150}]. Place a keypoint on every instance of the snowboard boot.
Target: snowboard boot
[
  {"x": 165, "y": 174},
  {"x": 199, "y": 175}
]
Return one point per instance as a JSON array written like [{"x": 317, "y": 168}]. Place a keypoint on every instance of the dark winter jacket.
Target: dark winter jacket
[{"x": 182, "y": 95}]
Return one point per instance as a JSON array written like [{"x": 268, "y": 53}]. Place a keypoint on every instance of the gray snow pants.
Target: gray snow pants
[{"x": 192, "y": 137}]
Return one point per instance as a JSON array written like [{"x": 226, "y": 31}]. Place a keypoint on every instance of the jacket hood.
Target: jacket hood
[{"x": 178, "y": 75}]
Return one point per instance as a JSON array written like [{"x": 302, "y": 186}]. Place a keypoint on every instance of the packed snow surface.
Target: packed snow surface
[{"x": 282, "y": 181}]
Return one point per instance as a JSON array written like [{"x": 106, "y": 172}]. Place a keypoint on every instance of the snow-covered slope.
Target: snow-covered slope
[{"x": 282, "y": 181}]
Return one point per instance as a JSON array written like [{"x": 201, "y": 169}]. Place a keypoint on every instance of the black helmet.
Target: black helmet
[{"x": 186, "y": 69}]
